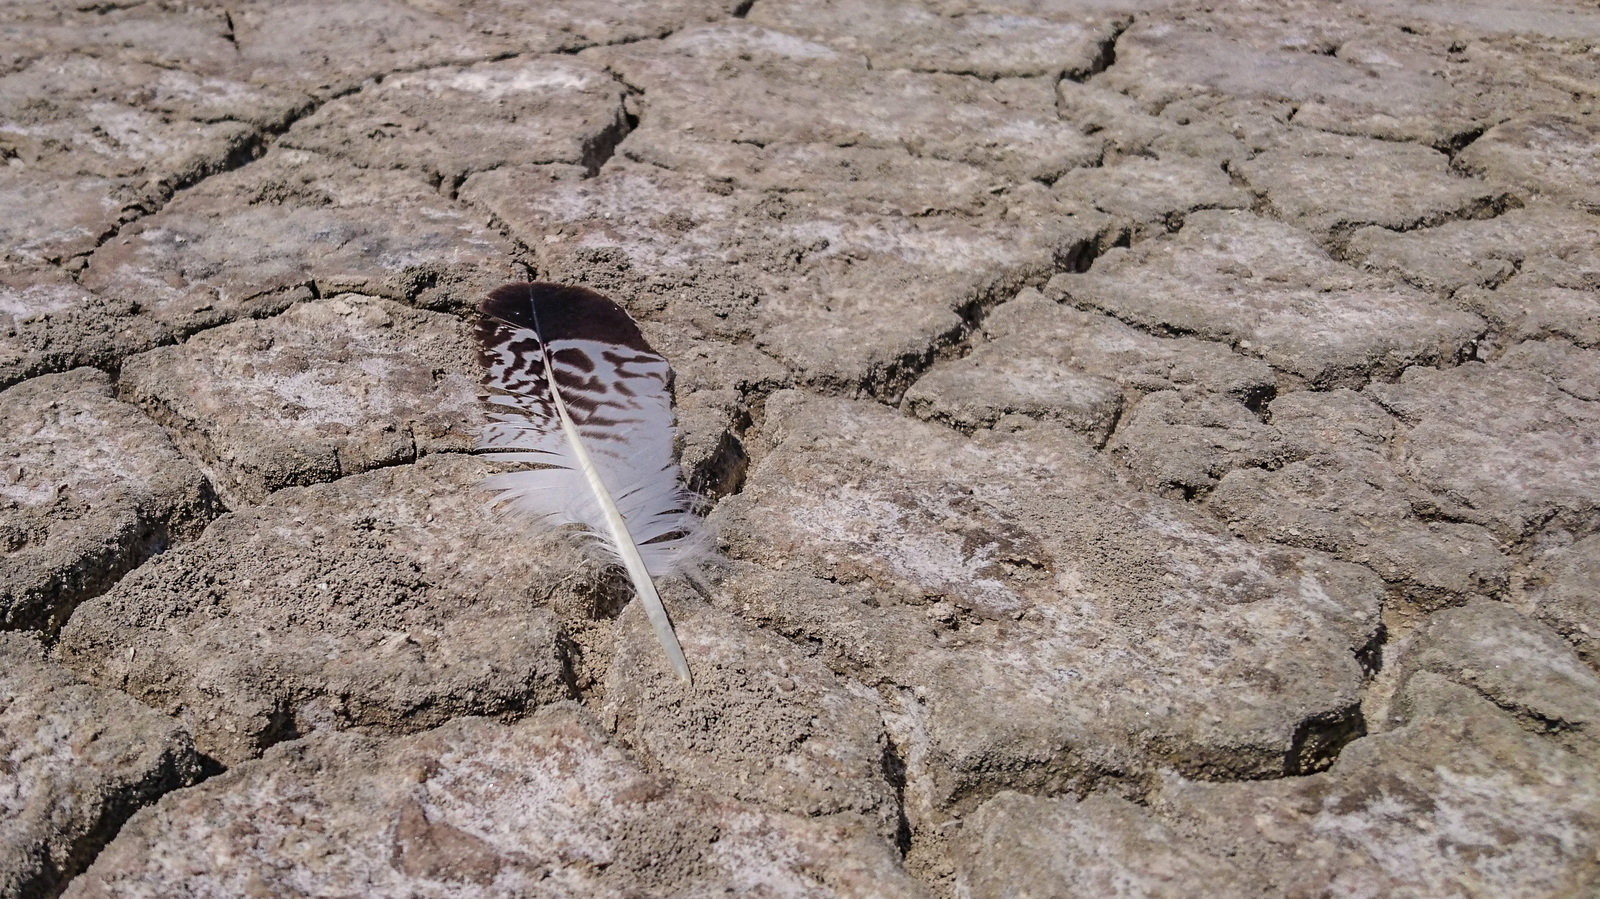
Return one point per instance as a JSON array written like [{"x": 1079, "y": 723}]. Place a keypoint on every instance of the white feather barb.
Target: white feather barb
[{"x": 572, "y": 388}]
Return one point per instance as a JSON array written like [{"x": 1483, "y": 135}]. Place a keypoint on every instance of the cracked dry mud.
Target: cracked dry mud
[{"x": 1153, "y": 447}]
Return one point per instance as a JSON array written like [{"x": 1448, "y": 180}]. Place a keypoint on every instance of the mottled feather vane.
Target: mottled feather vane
[{"x": 600, "y": 443}]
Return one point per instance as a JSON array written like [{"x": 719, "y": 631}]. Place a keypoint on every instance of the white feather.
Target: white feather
[{"x": 607, "y": 469}]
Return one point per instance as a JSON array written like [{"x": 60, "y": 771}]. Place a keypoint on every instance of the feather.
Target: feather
[{"x": 571, "y": 387}]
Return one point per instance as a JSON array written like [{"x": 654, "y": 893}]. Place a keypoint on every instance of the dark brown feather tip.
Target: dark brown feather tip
[{"x": 564, "y": 313}]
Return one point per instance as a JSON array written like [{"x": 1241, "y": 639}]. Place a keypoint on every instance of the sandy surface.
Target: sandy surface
[{"x": 1153, "y": 449}]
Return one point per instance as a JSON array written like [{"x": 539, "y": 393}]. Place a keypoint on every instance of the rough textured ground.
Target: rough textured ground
[{"x": 1153, "y": 447}]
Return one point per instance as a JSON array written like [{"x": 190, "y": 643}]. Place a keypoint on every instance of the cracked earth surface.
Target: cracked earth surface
[{"x": 1154, "y": 449}]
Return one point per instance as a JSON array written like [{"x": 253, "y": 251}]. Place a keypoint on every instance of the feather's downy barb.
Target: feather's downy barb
[{"x": 571, "y": 387}]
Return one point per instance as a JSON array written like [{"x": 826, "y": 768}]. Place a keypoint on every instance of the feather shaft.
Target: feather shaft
[{"x": 643, "y": 586}]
